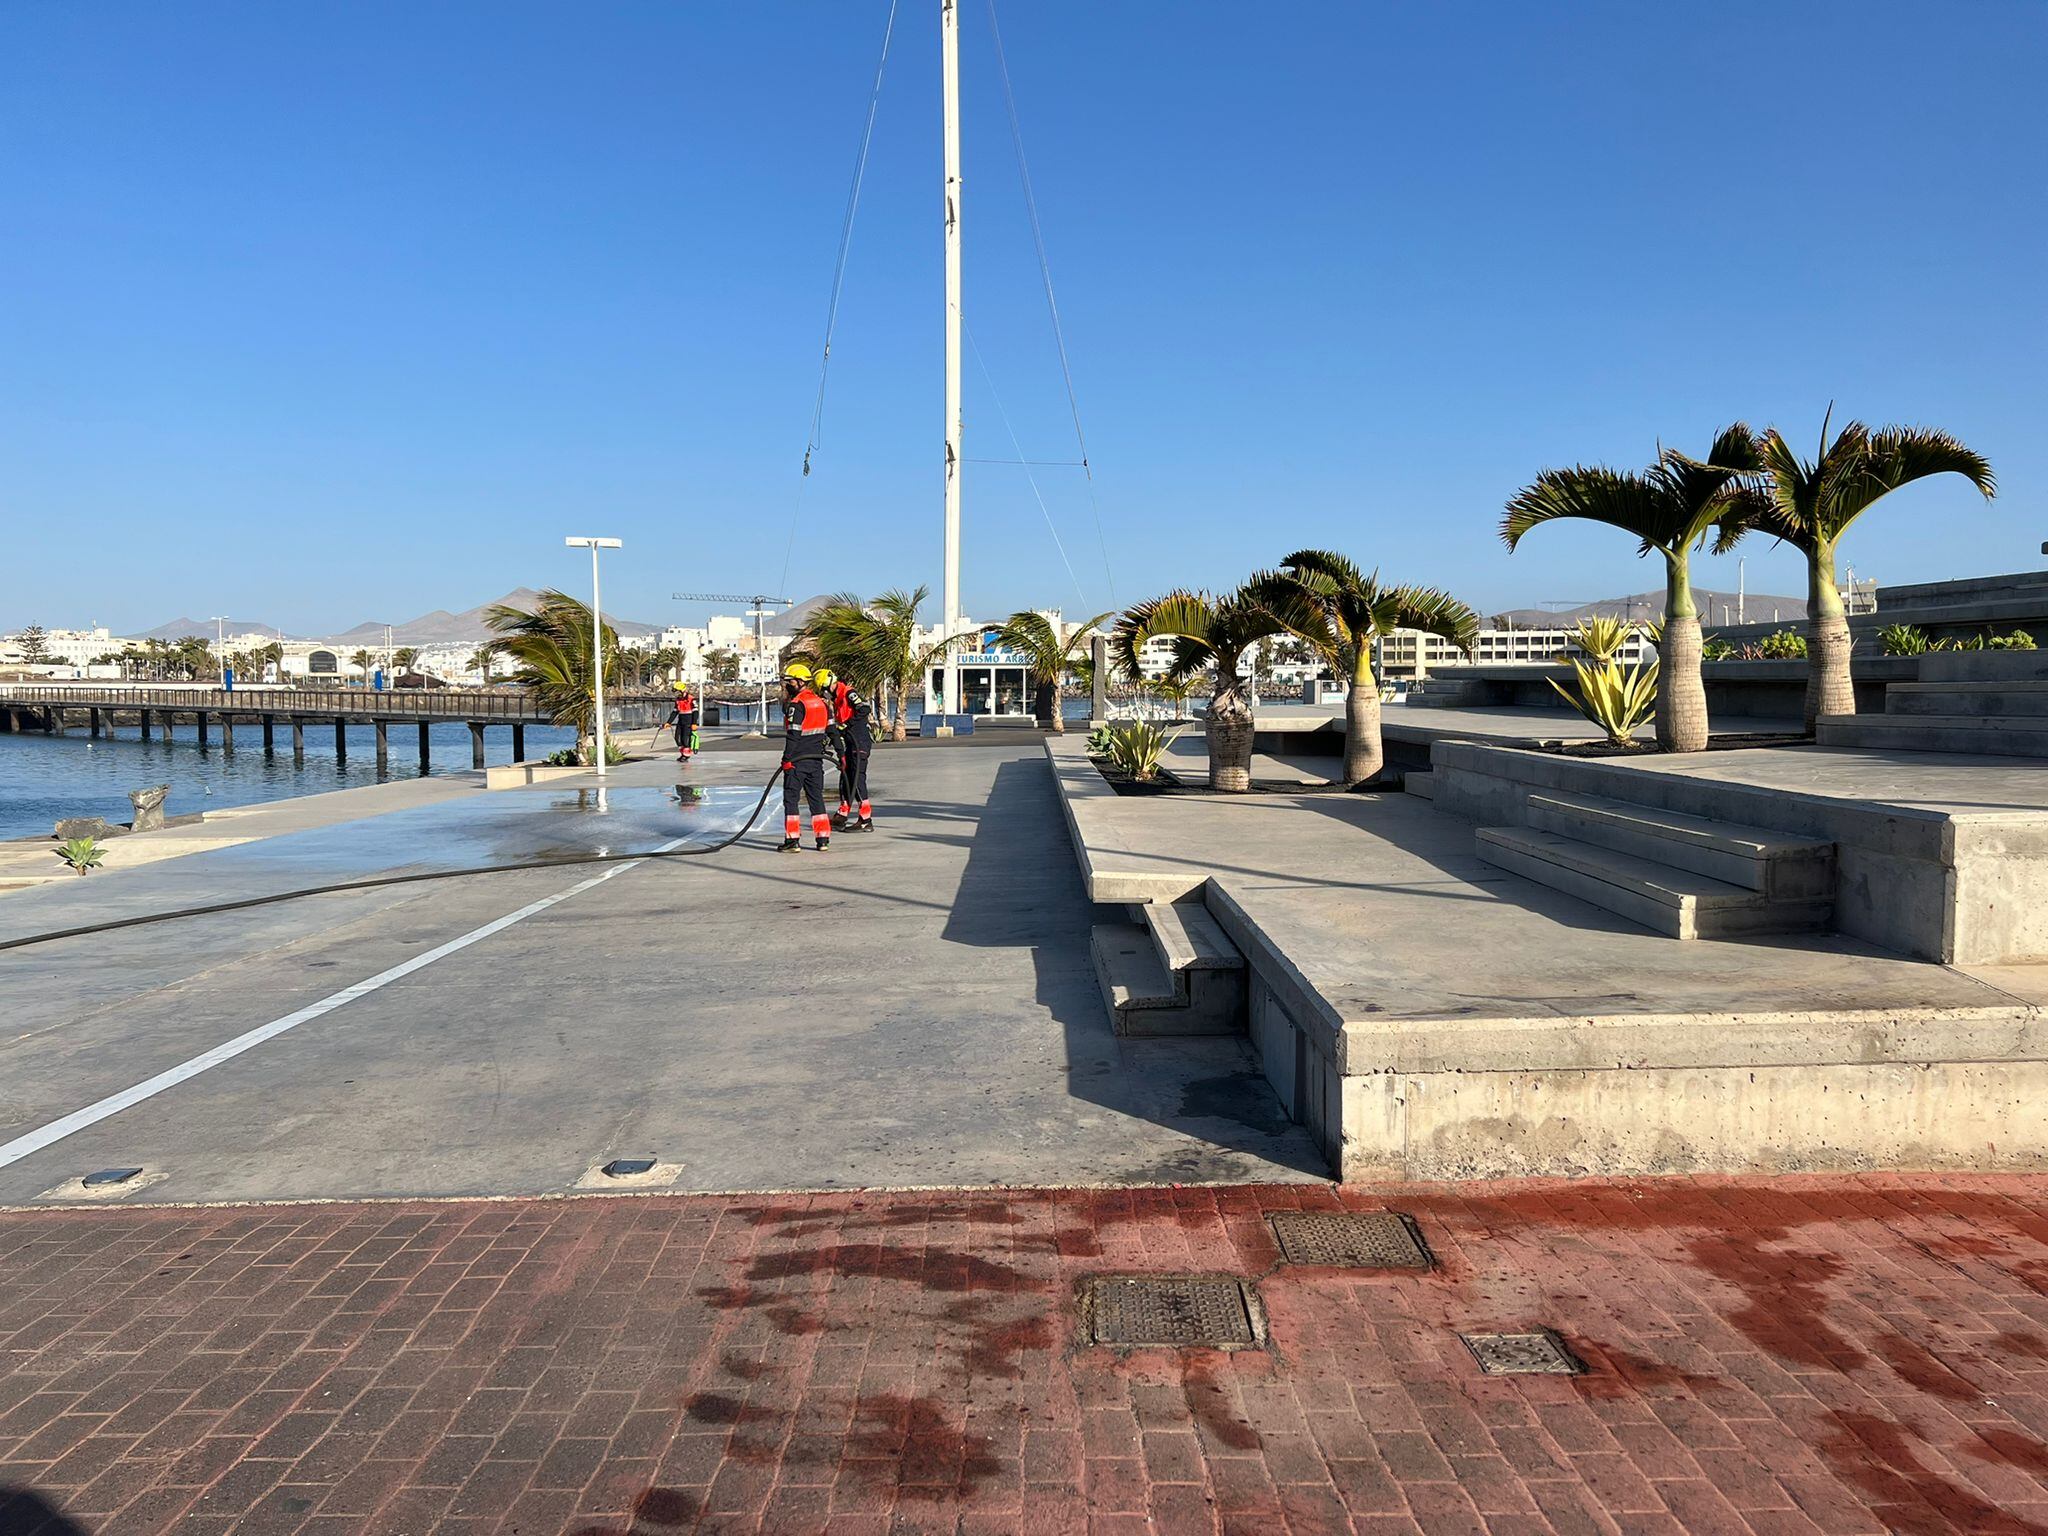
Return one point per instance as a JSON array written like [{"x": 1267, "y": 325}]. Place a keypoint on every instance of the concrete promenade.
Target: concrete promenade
[
  {"x": 915, "y": 1007},
  {"x": 1765, "y": 1358}
]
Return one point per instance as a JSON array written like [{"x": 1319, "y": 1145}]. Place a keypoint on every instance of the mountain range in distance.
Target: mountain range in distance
[
  {"x": 468, "y": 627},
  {"x": 1715, "y": 608},
  {"x": 437, "y": 628}
]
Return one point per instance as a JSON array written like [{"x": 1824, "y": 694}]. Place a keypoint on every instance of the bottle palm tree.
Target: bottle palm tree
[
  {"x": 1812, "y": 504},
  {"x": 1339, "y": 612},
  {"x": 1206, "y": 632},
  {"x": 1670, "y": 507},
  {"x": 551, "y": 647},
  {"x": 1051, "y": 657}
]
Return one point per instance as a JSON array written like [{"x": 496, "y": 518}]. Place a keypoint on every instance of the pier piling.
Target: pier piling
[
  {"x": 426, "y": 749},
  {"x": 142, "y": 722},
  {"x": 476, "y": 743},
  {"x": 518, "y": 742},
  {"x": 199, "y": 725},
  {"x": 298, "y": 740},
  {"x": 269, "y": 734},
  {"x": 340, "y": 739},
  {"x": 93, "y": 722},
  {"x": 227, "y": 733},
  {"x": 383, "y": 745}
]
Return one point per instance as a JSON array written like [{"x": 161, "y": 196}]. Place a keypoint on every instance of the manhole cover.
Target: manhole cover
[
  {"x": 1170, "y": 1309},
  {"x": 1354, "y": 1239},
  {"x": 1522, "y": 1354}
]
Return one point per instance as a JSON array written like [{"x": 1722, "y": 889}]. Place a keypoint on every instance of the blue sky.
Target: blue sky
[{"x": 318, "y": 313}]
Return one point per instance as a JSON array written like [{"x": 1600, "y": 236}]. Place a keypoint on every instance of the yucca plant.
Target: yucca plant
[
  {"x": 1339, "y": 611},
  {"x": 1671, "y": 508},
  {"x": 83, "y": 854},
  {"x": 1813, "y": 503},
  {"x": 1599, "y": 637},
  {"x": 1615, "y": 698},
  {"x": 1207, "y": 632},
  {"x": 1137, "y": 747}
]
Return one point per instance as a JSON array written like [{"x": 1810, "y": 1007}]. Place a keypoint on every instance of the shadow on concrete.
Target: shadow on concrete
[
  {"x": 22, "y": 1510},
  {"x": 1021, "y": 888}
]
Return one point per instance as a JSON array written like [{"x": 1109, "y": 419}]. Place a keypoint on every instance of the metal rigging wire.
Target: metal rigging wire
[
  {"x": 814, "y": 439},
  {"x": 1024, "y": 463},
  {"x": 1051, "y": 303}
]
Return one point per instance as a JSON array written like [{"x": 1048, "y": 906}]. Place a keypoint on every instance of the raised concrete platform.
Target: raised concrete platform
[
  {"x": 1938, "y": 856},
  {"x": 1428, "y": 1015}
]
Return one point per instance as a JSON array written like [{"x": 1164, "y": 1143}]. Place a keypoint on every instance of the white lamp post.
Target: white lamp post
[{"x": 596, "y": 633}]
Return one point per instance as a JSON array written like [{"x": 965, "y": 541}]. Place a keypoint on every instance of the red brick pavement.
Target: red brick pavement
[{"x": 1767, "y": 1356}]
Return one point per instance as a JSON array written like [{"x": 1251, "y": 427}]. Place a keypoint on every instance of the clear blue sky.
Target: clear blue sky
[{"x": 317, "y": 313}]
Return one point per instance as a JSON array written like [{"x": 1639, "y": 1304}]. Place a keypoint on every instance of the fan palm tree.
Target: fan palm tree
[
  {"x": 1812, "y": 504},
  {"x": 1051, "y": 657},
  {"x": 551, "y": 647},
  {"x": 1339, "y": 611},
  {"x": 1670, "y": 508},
  {"x": 875, "y": 646},
  {"x": 1206, "y": 632}
]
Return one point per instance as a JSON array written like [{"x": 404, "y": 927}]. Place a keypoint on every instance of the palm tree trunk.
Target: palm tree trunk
[
  {"x": 1829, "y": 689},
  {"x": 1364, "y": 751},
  {"x": 1057, "y": 725},
  {"x": 899, "y": 719},
  {"x": 1229, "y": 733},
  {"x": 1681, "y": 690}
]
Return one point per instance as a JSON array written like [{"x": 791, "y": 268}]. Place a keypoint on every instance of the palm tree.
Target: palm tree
[
  {"x": 404, "y": 658},
  {"x": 480, "y": 661},
  {"x": 1051, "y": 657},
  {"x": 1339, "y": 611},
  {"x": 874, "y": 645},
  {"x": 551, "y": 645},
  {"x": 1670, "y": 507},
  {"x": 1207, "y": 632},
  {"x": 1812, "y": 504},
  {"x": 363, "y": 660}
]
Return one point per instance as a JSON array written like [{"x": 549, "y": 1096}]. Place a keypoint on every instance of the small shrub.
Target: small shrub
[
  {"x": 567, "y": 757},
  {"x": 1137, "y": 747},
  {"x": 2018, "y": 640},
  {"x": 1903, "y": 640},
  {"x": 1098, "y": 741},
  {"x": 1615, "y": 700},
  {"x": 1782, "y": 645},
  {"x": 1716, "y": 650},
  {"x": 83, "y": 854}
]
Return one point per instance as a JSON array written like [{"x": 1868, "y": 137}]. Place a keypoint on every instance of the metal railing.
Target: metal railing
[{"x": 483, "y": 704}]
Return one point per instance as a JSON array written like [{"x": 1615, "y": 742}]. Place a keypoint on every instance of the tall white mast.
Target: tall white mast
[{"x": 949, "y": 36}]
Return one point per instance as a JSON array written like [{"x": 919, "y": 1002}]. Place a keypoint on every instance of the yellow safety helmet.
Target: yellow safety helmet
[
  {"x": 797, "y": 672},
  {"x": 682, "y": 687},
  {"x": 825, "y": 678}
]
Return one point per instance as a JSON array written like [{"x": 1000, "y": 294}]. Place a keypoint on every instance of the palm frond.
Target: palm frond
[
  {"x": 1183, "y": 616},
  {"x": 1592, "y": 493},
  {"x": 1429, "y": 609}
]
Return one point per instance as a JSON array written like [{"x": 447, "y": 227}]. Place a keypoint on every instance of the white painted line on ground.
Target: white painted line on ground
[{"x": 34, "y": 1141}]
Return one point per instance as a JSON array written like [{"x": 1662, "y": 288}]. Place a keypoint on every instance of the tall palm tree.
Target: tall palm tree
[
  {"x": 1206, "y": 632},
  {"x": 1670, "y": 508},
  {"x": 1339, "y": 611},
  {"x": 551, "y": 646},
  {"x": 875, "y": 646},
  {"x": 1051, "y": 657},
  {"x": 1813, "y": 503},
  {"x": 480, "y": 661},
  {"x": 363, "y": 660}
]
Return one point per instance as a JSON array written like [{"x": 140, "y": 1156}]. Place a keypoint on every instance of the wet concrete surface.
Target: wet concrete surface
[{"x": 915, "y": 1007}]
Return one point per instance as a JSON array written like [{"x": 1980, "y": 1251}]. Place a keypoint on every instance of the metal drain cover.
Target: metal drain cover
[
  {"x": 1522, "y": 1354},
  {"x": 1352, "y": 1239},
  {"x": 1180, "y": 1310}
]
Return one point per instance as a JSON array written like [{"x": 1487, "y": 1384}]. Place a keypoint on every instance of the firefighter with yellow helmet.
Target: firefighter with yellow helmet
[{"x": 806, "y": 737}]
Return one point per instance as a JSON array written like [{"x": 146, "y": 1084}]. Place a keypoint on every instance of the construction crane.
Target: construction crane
[{"x": 757, "y": 610}]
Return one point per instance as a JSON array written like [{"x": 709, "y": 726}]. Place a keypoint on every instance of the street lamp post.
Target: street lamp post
[{"x": 596, "y": 632}]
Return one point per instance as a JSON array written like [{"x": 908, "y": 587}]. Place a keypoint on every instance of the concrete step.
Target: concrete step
[
  {"x": 1985, "y": 666},
  {"x": 1675, "y": 902},
  {"x": 2007, "y": 700},
  {"x": 1422, "y": 785},
  {"x": 1979, "y": 735},
  {"x": 1174, "y": 973},
  {"x": 1780, "y": 864}
]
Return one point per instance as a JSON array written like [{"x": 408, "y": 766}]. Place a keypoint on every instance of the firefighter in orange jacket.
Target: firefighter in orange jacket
[
  {"x": 806, "y": 721},
  {"x": 853, "y": 725},
  {"x": 684, "y": 718}
]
